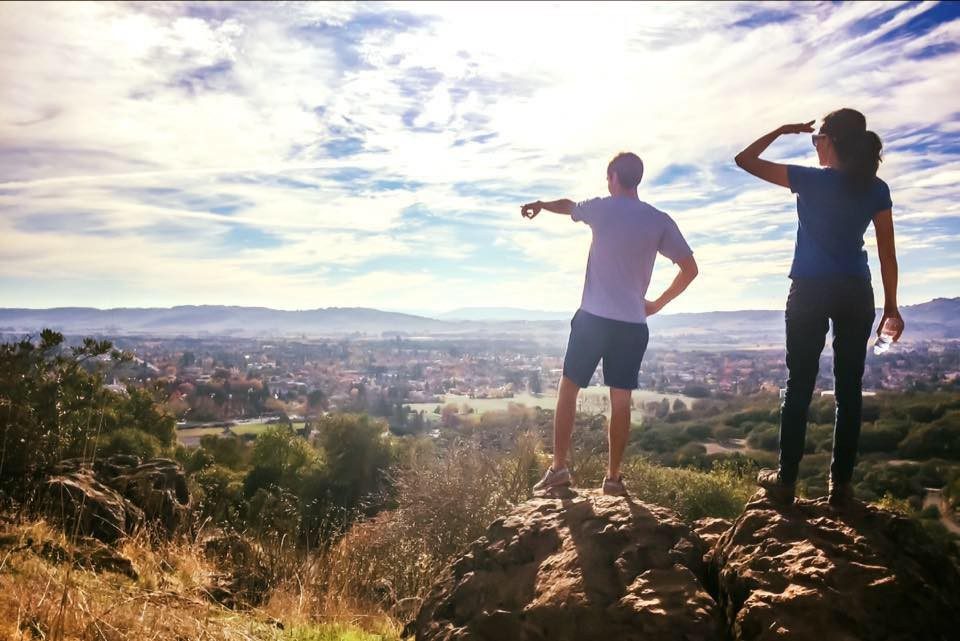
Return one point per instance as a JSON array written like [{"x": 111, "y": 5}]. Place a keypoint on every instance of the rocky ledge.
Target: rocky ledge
[{"x": 585, "y": 567}]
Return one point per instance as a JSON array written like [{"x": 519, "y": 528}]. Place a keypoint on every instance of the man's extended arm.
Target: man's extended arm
[
  {"x": 688, "y": 271},
  {"x": 563, "y": 206}
]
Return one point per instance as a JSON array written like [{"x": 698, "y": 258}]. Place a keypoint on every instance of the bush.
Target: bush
[
  {"x": 690, "y": 454},
  {"x": 698, "y": 431},
  {"x": 679, "y": 416},
  {"x": 766, "y": 438},
  {"x": 725, "y": 433},
  {"x": 443, "y": 504},
  {"x": 129, "y": 441},
  {"x": 754, "y": 416},
  {"x": 229, "y": 451},
  {"x": 692, "y": 494},
  {"x": 218, "y": 495},
  {"x": 53, "y": 407},
  {"x": 877, "y": 437},
  {"x": 940, "y": 439},
  {"x": 819, "y": 439}
]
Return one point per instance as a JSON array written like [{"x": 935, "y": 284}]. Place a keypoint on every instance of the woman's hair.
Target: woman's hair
[{"x": 858, "y": 149}]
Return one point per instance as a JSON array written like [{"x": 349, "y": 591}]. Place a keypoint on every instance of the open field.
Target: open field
[
  {"x": 191, "y": 436},
  {"x": 592, "y": 399}
]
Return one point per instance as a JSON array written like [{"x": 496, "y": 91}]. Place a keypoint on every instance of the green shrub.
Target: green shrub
[
  {"x": 698, "y": 431},
  {"x": 754, "y": 416},
  {"x": 129, "y": 441},
  {"x": 766, "y": 438},
  {"x": 53, "y": 408},
  {"x": 725, "y": 433},
  {"x": 939, "y": 439},
  {"x": 880, "y": 437},
  {"x": 218, "y": 495},
  {"x": 692, "y": 494},
  {"x": 691, "y": 454}
]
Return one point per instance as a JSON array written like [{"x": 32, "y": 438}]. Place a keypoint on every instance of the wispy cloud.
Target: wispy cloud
[{"x": 317, "y": 154}]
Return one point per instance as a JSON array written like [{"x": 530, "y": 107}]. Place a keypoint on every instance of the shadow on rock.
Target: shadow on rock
[
  {"x": 576, "y": 566},
  {"x": 811, "y": 572}
]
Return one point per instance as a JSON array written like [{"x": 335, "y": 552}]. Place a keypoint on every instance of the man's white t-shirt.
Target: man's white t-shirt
[{"x": 627, "y": 236}]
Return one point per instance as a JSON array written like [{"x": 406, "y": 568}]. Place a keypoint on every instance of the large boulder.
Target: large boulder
[
  {"x": 114, "y": 496},
  {"x": 84, "y": 506},
  {"x": 581, "y": 567},
  {"x": 809, "y": 572},
  {"x": 159, "y": 488}
]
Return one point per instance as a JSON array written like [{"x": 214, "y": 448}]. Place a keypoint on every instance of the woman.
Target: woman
[{"x": 831, "y": 281}]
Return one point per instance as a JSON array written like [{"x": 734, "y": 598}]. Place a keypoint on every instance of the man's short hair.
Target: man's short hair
[{"x": 628, "y": 167}]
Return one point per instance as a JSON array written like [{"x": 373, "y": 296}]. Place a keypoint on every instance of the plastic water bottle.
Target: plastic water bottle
[{"x": 890, "y": 328}]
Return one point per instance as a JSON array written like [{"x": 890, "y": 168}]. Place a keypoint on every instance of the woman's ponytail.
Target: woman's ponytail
[{"x": 858, "y": 149}]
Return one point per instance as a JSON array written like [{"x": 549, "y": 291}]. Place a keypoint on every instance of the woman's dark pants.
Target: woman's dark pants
[{"x": 810, "y": 305}]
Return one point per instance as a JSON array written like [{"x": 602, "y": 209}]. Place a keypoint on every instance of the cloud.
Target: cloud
[{"x": 313, "y": 154}]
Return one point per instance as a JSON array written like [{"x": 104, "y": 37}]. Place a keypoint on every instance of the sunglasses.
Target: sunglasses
[{"x": 815, "y": 138}]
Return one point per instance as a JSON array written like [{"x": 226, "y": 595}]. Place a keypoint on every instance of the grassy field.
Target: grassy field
[
  {"x": 191, "y": 436},
  {"x": 591, "y": 400}
]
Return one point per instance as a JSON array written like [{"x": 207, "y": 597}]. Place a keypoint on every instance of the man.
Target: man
[{"x": 611, "y": 322}]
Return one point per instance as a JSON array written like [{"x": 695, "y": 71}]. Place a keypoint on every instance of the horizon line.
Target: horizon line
[{"x": 402, "y": 312}]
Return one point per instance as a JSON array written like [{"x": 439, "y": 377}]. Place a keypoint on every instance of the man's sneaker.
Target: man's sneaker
[
  {"x": 776, "y": 489},
  {"x": 614, "y": 487},
  {"x": 841, "y": 494},
  {"x": 553, "y": 478}
]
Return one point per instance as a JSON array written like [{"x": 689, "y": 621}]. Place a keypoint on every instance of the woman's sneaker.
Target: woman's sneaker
[
  {"x": 553, "y": 478},
  {"x": 776, "y": 489},
  {"x": 614, "y": 487}
]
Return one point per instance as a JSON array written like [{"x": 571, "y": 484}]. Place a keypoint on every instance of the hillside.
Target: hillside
[{"x": 934, "y": 320}]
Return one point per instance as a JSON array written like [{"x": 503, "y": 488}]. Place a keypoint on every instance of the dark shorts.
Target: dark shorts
[{"x": 619, "y": 344}]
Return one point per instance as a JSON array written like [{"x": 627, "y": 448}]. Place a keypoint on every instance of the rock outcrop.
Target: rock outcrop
[
  {"x": 84, "y": 506},
  {"x": 115, "y": 496},
  {"x": 588, "y": 567},
  {"x": 812, "y": 572},
  {"x": 581, "y": 567}
]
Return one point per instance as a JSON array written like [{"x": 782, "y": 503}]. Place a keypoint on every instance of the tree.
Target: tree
[
  {"x": 536, "y": 385},
  {"x": 664, "y": 408},
  {"x": 317, "y": 400},
  {"x": 355, "y": 454},
  {"x": 53, "y": 405},
  {"x": 142, "y": 410}
]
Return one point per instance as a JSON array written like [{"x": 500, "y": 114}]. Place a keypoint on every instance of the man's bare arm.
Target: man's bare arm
[
  {"x": 563, "y": 206},
  {"x": 688, "y": 271}
]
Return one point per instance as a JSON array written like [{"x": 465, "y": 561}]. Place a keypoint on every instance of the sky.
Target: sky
[{"x": 298, "y": 156}]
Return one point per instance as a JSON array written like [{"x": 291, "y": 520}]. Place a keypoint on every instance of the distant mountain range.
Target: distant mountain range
[
  {"x": 215, "y": 319},
  {"x": 503, "y": 314},
  {"x": 936, "y": 319}
]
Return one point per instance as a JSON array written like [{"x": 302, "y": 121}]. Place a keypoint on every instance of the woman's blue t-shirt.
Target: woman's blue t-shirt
[{"x": 833, "y": 215}]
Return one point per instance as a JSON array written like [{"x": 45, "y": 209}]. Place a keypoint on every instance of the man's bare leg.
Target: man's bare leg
[
  {"x": 563, "y": 421},
  {"x": 619, "y": 429}
]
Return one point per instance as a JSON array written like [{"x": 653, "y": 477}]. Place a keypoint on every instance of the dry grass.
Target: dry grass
[
  {"x": 384, "y": 565},
  {"x": 363, "y": 588},
  {"x": 42, "y": 598}
]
